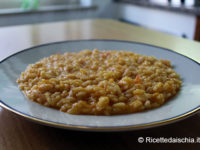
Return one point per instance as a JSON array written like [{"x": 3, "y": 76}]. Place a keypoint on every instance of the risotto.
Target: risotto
[{"x": 100, "y": 82}]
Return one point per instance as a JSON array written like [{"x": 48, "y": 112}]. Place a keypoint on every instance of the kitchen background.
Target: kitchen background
[{"x": 176, "y": 17}]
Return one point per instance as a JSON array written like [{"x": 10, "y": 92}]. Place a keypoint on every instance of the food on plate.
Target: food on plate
[{"x": 100, "y": 82}]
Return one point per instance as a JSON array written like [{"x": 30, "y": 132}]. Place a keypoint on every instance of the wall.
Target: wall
[{"x": 167, "y": 21}]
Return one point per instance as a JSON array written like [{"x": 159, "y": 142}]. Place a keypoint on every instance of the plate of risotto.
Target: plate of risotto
[{"x": 100, "y": 85}]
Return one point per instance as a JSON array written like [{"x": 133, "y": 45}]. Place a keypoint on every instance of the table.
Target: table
[{"x": 21, "y": 134}]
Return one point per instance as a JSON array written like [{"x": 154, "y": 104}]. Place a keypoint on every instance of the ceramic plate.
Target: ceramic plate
[{"x": 186, "y": 103}]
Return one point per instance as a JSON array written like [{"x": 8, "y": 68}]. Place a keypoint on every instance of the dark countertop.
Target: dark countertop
[{"x": 165, "y": 5}]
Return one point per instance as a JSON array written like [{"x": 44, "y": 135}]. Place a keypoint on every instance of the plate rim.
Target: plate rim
[{"x": 105, "y": 128}]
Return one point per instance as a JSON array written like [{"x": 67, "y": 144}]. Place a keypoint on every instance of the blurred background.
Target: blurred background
[{"x": 176, "y": 17}]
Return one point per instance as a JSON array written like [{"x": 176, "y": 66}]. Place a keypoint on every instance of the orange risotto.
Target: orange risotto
[{"x": 100, "y": 82}]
